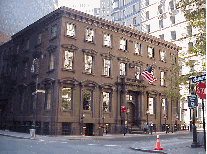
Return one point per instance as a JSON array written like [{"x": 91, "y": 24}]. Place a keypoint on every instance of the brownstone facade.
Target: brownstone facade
[{"x": 84, "y": 69}]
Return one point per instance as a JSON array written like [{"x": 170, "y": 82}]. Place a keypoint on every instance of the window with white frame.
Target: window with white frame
[
  {"x": 173, "y": 35},
  {"x": 151, "y": 103},
  {"x": 106, "y": 101},
  {"x": 162, "y": 79},
  {"x": 107, "y": 67},
  {"x": 147, "y": 2},
  {"x": 147, "y": 15},
  {"x": 172, "y": 19},
  {"x": 123, "y": 44},
  {"x": 68, "y": 62},
  {"x": 161, "y": 23},
  {"x": 189, "y": 30},
  {"x": 51, "y": 65},
  {"x": 137, "y": 72},
  {"x": 89, "y": 35},
  {"x": 190, "y": 46},
  {"x": 107, "y": 40},
  {"x": 160, "y": 9},
  {"x": 134, "y": 21},
  {"x": 173, "y": 59},
  {"x": 87, "y": 95},
  {"x": 171, "y": 4},
  {"x": 39, "y": 38},
  {"x": 148, "y": 28},
  {"x": 88, "y": 64},
  {"x": 48, "y": 98},
  {"x": 150, "y": 52},
  {"x": 122, "y": 68},
  {"x": 162, "y": 56},
  {"x": 66, "y": 98},
  {"x": 163, "y": 106},
  {"x": 162, "y": 36},
  {"x": 138, "y": 48},
  {"x": 129, "y": 97},
  {"x": 54, "y": 31},
  {"x": 70, "y": 30}
]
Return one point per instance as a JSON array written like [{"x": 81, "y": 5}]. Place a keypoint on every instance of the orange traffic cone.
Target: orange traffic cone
[{"x": 158, "y": 143}]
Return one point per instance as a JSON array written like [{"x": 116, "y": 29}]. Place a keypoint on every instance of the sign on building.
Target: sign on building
[{"x": 192, "y": 101}]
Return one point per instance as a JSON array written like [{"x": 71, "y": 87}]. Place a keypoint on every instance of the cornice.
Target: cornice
[
  {"x": 115, "y": 27},
  {"x": 69, "y": 46},
  {"x": 90, "y": 51}
]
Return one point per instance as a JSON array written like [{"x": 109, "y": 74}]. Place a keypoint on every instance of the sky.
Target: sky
[{"x": 72, "y": 3}]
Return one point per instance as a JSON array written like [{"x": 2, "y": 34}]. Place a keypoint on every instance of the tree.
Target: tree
[{"x": 195, "y": 14}]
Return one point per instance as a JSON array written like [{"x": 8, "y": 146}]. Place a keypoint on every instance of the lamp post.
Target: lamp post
[
  {"x": 165, "y": 123},
  {"x": 103, "y": 121},
  {"x": 83, "y": 116},
  {"x": 195, "y": 143},
  {"x": 128, "y": 110},
  {"x": 147, "y": 112}
]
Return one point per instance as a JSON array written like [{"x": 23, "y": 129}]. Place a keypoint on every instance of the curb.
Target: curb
[
  {"x": 146, "y": 150},
  {"x": 20, "y": 137}
]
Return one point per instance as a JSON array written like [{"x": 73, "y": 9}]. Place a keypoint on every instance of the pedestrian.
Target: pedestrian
[
  {"x": 145, "y": 127},
  {"x": 150, "y": 126}
]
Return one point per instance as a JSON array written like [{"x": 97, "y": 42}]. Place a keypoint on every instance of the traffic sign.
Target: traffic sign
[
  {"x": 192, "y": 101},
  {"x": 199, "y": 78},
  {"x": 201, "y": 90},
  {"x": 123, "y": 108}
]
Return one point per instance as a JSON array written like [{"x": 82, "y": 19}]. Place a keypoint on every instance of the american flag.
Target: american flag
[{"x": 147, "y": 74}]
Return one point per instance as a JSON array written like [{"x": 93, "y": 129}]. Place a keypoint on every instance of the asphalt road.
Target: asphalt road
[{"x": 10, "y": 145}]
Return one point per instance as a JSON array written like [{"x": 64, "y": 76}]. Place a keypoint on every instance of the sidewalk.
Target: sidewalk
[{"x": 78, "y": 137}]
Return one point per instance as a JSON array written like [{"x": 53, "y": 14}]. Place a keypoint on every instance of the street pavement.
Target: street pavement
[{"x": 171, "y": 145}]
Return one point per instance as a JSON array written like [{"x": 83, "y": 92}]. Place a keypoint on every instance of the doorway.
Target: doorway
[
  {"x": 89, "y": 129},
  {"x": 131, "y": 116}
]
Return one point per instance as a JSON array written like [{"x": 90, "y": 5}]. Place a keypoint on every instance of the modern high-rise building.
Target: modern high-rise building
[{"x": 18, "y": 14}]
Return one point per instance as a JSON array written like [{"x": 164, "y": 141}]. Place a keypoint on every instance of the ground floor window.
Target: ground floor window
[{"x": 66, "y": 128}]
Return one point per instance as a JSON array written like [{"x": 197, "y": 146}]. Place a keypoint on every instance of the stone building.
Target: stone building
[{"x": 71, "y": 73}]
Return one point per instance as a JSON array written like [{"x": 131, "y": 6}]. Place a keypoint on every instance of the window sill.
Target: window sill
[
  {"x": 53, "y": 38},
  {"x": 164, "y": 86},
  {"x": 47, "y": 110},
  {"x": 163, "y": 61},
  {"x": 38, "y": 45},
  {"x": 107, "y": 46},
  {"x": 72, "y": 37},
  {"x": 66, "y": 110},
  {"x": 49, "y": 71},
  {"x": 92, "y": 42},
  {"x": 106, "y": 76},
  {"x": 88, "y": 73},
  {"x": 137, "y": 54},
  {"x": 68, "y": 70},
  {"x": 123, "y": 50},
  {"x": 151, "y": 58}
]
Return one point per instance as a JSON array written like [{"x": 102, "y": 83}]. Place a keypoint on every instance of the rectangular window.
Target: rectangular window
[
  {"x": 162, "y": 55},
  {"x": 25, "y": 69},
  {"x": 190, "y": 46},
  {"x": 137, "y": 72},
  {"x": 162, "y": 79},
  {"x": 129, "y": 97},
  {"x": 134, "y": 9},
  {"x": 39, "y": 38},
  {"x": 66, "y": 98},
  {"x": 148, "y": 28},
  {"x": 48, "y": 98},
  {"x": 162, "y": 36},
  {"x": 88, "y": 64},
  {"x": 161, "y": 23},
  {"x": 189, "y": 30},
  {"x": 134, "y": 21},
  {"x": 173, "y": 59},
  {"x": 70, "y": 30},
  {"x": 89, "y": 35},
  {"x": 151, "y": 103},
  {"x": 106, "y": 101},
  {"x": 68, "y": 62},
  {"x": 171, "y": 4},
  {"x": 173, "y": 35},
  {"x": 122, "y": 69},
  {"x": 147, "y": 2},
  {"x": 160, "y": 9},
  {"x": 172, "y": 19},
  {"x": 150, "y": 52},
  {"x": 107, "y": 67},
  {"x": 51, "y": 61},
  {"x": 54, "y": 31},
  {"x": 87, "y": 95},
  {"x": 123, "y": 44},
  {"x": 107, "y": 40},
  {"x": 138, "y": 48},
  {"x": 147, "y": 15},
  {"x": 163, "y": 106}
]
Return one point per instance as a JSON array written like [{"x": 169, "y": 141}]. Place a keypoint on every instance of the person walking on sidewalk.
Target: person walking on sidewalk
[{"x": 150, "y": 126}]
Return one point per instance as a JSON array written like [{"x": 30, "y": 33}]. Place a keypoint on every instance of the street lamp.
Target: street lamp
[
  {"x": 147, "y": 112},
  {"x": 103, "y": 121},
  {"x": 165, "y": 123},
  {"x": 83, "y": 116},
  {"x": 128, "y": 110},
  {"x": 191, "y": 88}
]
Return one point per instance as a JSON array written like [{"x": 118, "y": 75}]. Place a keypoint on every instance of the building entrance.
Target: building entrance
[
  {"x": 131, "y": 114},
  {"x": 89, "y": 129}
]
